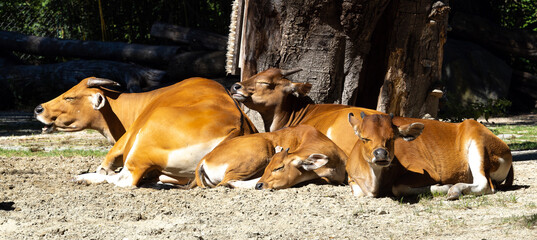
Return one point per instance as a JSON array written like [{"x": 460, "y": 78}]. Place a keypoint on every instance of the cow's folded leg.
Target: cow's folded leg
[
  {"x": 459, "y": 189},
  {"x": 90, "y": 178},
  {"x": 241, "y": 184}
]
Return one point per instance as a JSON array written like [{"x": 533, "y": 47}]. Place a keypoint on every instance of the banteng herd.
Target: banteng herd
[{"x": 195, "y": 134}]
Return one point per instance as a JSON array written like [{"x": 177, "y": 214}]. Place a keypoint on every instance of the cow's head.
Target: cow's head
[
  {"x": 77, "y": 109},
  {"x": 377, "y": 135},
  {"x": 268, "y": 89},
  {"x": 288, "y": 169}
]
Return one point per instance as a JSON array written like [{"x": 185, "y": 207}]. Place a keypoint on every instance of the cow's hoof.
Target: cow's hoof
[
  {"x": 105, "y": 171},
  {"x": 453, "y": 194}
]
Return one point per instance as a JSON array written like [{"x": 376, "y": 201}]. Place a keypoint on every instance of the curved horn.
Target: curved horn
[
  {"x": 98, "y": 82},
  {"x": 289, "y": 72}
]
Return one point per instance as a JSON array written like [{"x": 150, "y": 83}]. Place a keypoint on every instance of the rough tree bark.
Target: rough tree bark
[{"x": 350, "y": 49}]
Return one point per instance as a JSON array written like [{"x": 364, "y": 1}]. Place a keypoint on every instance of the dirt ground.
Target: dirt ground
[{"x": 38, "y": 200}]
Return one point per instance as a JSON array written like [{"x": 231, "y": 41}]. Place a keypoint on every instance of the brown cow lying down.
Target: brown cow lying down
[
  {"x": 453, "y": 158},
  {"x": 91, "y": 105},
  {"x": 282, "y": 103},
  {"x": 174, "y": 131},
  {"x": 239, "y": 162}
]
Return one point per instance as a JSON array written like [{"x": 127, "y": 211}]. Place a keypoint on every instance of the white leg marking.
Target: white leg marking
[
  {"x": 356, "y": 190},
  {"x": 244, "y": 184},
  {"x": 182, "y": 162},
  {"x": 475, "y": 161},
  {"x": 122, "y": 179},
  {"x": 91, "y": 178},
  {"x": 213, "y": 174},
  {"x": 480, "y": 184}
]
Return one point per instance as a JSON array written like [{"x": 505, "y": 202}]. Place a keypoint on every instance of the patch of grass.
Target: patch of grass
[
  {"x": 53, "y": 153},
  {"x": 529, "y": 221},
  {"x": 518, "y": 137}
]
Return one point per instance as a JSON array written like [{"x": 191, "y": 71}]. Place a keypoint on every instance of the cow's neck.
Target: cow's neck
[
  {"x": 121, "y": 111},
  {"x": 382, "y": 178},
  {"x": 290, "y": 113}
]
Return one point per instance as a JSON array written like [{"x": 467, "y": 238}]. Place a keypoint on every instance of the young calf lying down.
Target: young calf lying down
[
  {"x": 453, "y": 158},
  {"x": 241, "y": 161}
]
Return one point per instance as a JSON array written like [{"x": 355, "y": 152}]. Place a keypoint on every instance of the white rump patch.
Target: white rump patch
[{"x": 500, "y": 174}]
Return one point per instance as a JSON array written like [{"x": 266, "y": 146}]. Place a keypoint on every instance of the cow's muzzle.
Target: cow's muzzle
[
  {"x": 259, "y": 186},
  {"x": 236, "y": 94},
  {"x": 381, "y": 157},
  {"x": 38, "y": 110}
]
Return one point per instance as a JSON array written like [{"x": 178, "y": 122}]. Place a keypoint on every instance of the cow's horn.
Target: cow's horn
[
  {"x": 289, "y": 72},
  {"x": 98, "y": 82}
]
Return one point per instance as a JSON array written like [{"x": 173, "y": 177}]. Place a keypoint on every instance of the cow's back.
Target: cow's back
[
  {"x": 333, "y": 121},
  {"x": 443, "y": 150}
]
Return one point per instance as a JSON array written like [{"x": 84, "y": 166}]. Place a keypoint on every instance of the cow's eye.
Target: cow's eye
[
  {"x": 68, "y": 99},
  {"x": 365, "y": 139},
  {"x": 264, "y": 83},
  {"x": 278, "y": 168}
]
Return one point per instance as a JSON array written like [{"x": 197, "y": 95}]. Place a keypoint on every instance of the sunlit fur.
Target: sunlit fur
[
  {"x": 196, "y": 113},
  {"x": 246, "y": 158},
  {"x": 282, "y": 103}
]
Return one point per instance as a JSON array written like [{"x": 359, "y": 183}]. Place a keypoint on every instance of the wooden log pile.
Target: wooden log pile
[{"x": 138, "y": 67}]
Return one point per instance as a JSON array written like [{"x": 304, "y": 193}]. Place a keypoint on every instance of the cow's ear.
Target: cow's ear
[
  {"x": 409, "y": 132},
  {"x": 314, "y": 161},
  {"x": 299, "y": 89},
  {"x": 354, "y": 123},
  {"x": 98, "y": 101}
]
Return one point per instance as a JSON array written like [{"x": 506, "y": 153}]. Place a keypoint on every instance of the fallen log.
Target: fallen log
[
  {"x": 117, "y": 51},
  {"x": 194, "y": 37},
  {"x": 197, "y": 64},
  {"x": 28, "y": 85}
]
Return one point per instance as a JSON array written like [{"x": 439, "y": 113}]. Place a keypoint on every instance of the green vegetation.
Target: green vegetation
[
  {"x": 529, "y": 221},
  {"x": 457, "y": 113},
  {"x": 518, "y": 137},
  {"x": 52, "y": 153},
  {"x": 124, "y": 21}
]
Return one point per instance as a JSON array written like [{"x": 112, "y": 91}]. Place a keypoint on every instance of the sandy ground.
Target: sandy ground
[{"x": 39, "y": 201}]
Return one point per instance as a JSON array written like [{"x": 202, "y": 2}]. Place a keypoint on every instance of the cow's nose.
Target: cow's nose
[
  {"x": 259, "y": 186},
  {"x": 236, "y": 87},
  {"x": 38, "y": 110},
  {"x": 380, "y": 154}
]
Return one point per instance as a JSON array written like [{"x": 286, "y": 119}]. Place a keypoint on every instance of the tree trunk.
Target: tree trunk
[
  {"x": 117, "y": 51},
  {"x": 414, "y": 58},
  {"x": 350, "y": 49},
  {"x": 28, "y": 85}
]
